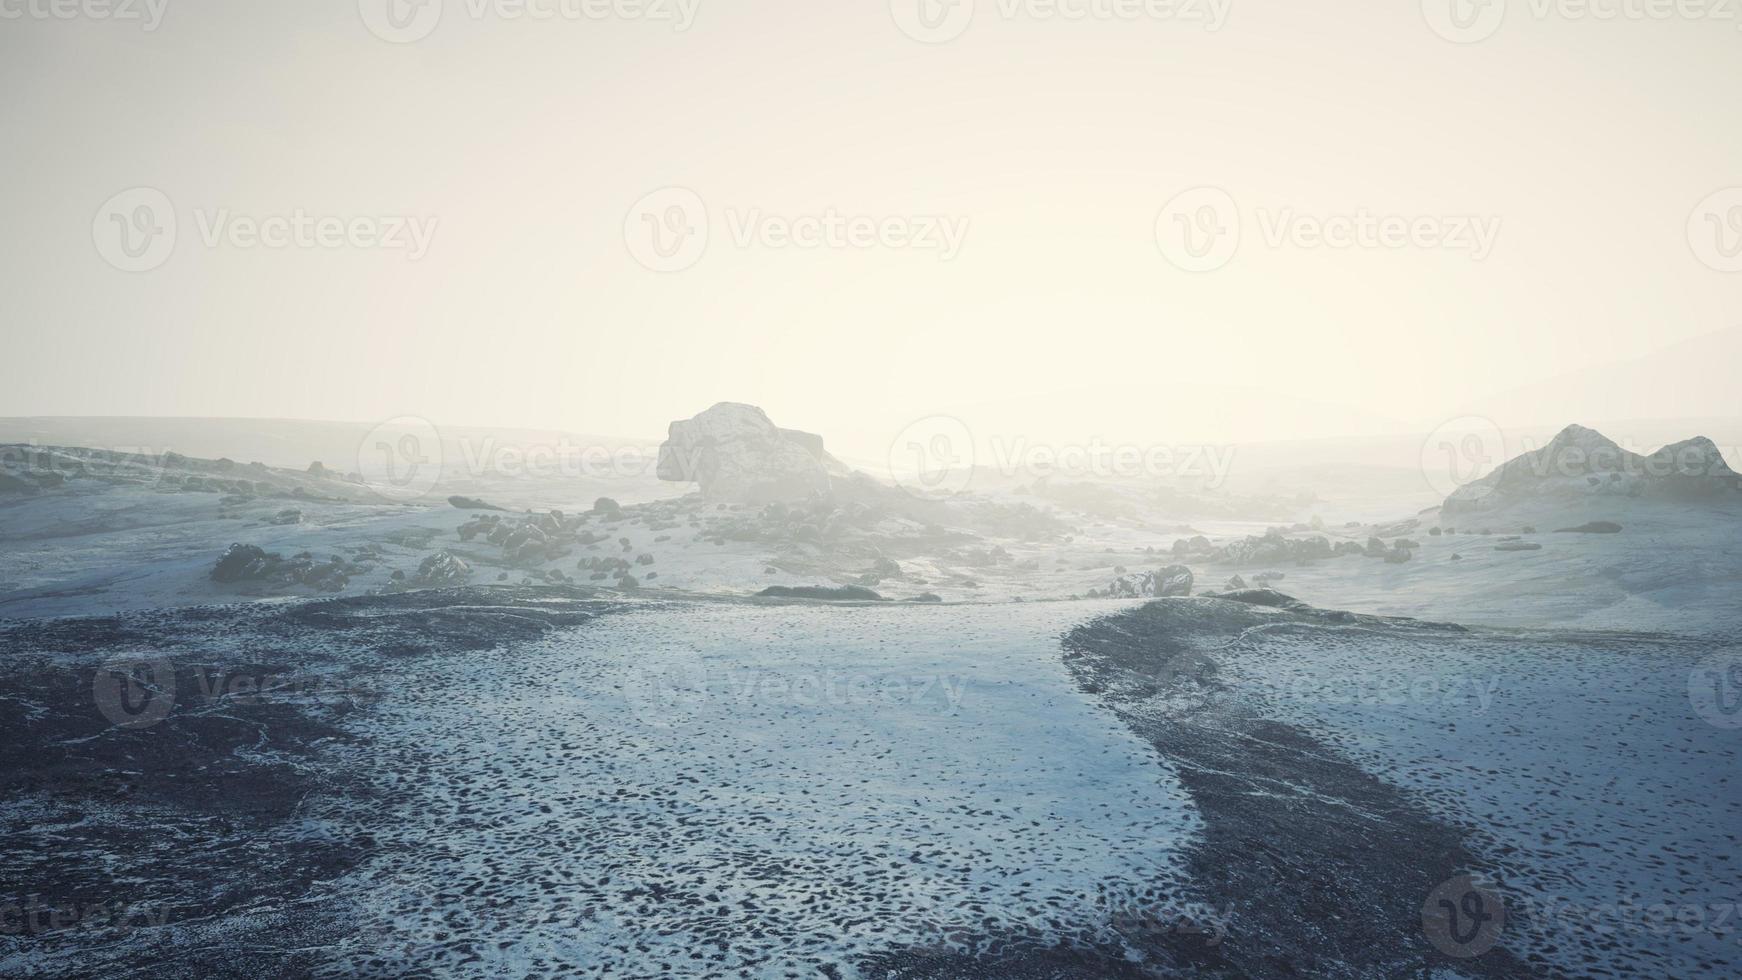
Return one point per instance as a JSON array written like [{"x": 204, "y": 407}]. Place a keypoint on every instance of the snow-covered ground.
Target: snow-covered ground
[
  {"x": 700, "y": 782},
  {"x": 1610, "y": 806},
  {"x": 704, "y": 787}
]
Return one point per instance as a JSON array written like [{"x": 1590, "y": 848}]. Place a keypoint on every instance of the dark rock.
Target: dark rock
[
  {"x": 1174, "y": 580},
  {"x": 1594, "y": 527},
  {"x": 835, "y": 593},
  {"x": 471, "y": 503},
  {"x": 240, "y": 562},
  {"x": 442, "y": 569}
]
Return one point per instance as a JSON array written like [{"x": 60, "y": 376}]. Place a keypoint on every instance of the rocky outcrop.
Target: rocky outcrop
[
  {"x": 1272, "y": 548},
  {"x": 736, "y": 454},
  {"x": 1174, "y": 580},
  {"x": 1693, "y": 469},
  {"x": 251, "y": 564},
  {"x": 442, "y": 569},
  {"x": 1584, "y": 463}
]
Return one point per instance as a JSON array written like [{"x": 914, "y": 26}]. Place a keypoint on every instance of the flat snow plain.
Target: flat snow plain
[{"x": 709, "y": 787}]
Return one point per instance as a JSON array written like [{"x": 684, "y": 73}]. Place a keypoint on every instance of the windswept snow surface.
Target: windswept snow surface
[
  {"x": 1577, "y": 761},
  {"x": 710, "y": 787}
]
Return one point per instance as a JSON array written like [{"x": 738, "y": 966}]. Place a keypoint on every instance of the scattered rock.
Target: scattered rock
[
  {"x": 1174, "y": 580},
  {"x": 851, "y": 593},
  {"x": 1594, "y": 527},
  {"x": 442, "y": 569},
  {"x": 471, "y": 503},
  {"x": 247, "y": 563}
]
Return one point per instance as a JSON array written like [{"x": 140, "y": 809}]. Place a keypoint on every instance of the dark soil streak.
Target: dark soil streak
[
  {"x": 1323, "y": 866},
  {"x": 184, "y": 847}
]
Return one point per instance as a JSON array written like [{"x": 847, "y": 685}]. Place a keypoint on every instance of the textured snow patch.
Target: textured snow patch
[{"x": 716, "y": 787}]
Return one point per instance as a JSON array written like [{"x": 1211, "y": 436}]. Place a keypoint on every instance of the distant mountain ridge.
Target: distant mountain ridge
[{"x": 1580, "y": 462}]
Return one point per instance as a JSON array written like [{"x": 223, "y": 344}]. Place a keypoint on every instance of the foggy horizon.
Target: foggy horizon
[
  {"x": 888, "y": 490},
  {"x": 1031, "y": 170}
]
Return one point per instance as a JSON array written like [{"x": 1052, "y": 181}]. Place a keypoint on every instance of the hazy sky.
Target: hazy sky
[{"x": 1018, "y": 259}]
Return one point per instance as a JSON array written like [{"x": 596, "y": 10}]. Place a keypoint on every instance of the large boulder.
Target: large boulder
[
  {"x": 1174, "y": 580},
  {"x": 442, "y": 569},
  {"x": 242, "y": 562},
  {"x": 737, "y": 454}
]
